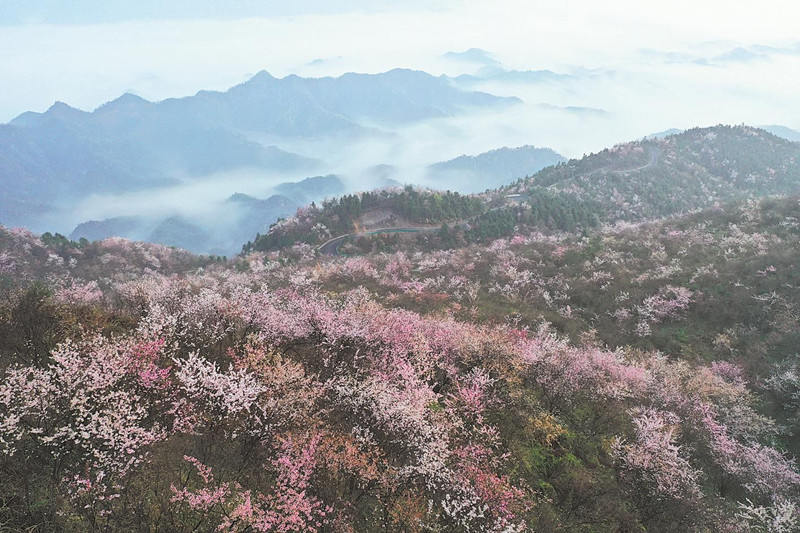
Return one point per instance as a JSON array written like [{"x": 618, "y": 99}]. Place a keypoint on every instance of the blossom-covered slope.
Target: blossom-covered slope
[{"x": 630, "y": 378}]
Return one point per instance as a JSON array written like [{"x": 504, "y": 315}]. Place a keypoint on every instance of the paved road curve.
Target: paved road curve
[
  {"x": 331, "y": 247},
  {"x": 655, "y": 153}
]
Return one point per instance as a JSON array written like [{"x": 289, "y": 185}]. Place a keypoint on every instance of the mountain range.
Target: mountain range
[{"x": 49, "y": 160}]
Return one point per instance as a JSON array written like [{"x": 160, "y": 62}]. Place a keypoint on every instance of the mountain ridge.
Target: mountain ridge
[
  {"x": 130, "y": 143},
  {"x": 660, "y": 176},
  {"x": 631, "y": 182}
]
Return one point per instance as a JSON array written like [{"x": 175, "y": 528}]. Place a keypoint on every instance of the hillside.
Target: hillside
[
  {"x": 475, "y": 389},
  {"x": 369, "y": 266},
  {"x": 677, "y": 173},
  {"x": 634, "y": 182},
  {"x": 385, "y": 208},
  {"x": 387, "y": 218}
]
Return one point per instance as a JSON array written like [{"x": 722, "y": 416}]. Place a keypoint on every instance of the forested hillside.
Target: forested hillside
[
  {"x": 342, "y": 215},
  {"x": 634, "y": 182},
  {"x": 677, "y": 173}
]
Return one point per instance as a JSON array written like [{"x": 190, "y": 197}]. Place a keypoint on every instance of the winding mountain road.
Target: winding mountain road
[
  {"x": 655, "y": 154},
  {"x": 331, "y": 247}
]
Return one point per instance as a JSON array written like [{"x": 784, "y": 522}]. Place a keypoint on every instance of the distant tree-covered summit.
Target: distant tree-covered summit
[
  {"x": 491, "y": 169},
  {"x": 677, "y": 173}
]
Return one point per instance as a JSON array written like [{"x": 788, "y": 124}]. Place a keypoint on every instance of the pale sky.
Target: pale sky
[{"x": 680, "y": 63}]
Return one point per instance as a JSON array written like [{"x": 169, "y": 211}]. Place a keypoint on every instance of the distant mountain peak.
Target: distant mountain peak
[
  {"x": 474, "y": 55},
  {"x": 262, "y": 76},
  {"x": 783, "y": 131},
  {"x": 260, "y": 79},
  {"x": 241, "y": 197},
  {"x": 61, "y": 107},
  {"x": 491, "y": 169},
  {"x": 406, "y": 73},
  {"x": 61, "y": 110},
  {"x": 130, "y": 97},
  {"x": 127, "y": 101},
  {"x": 664, "y": 133}
]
